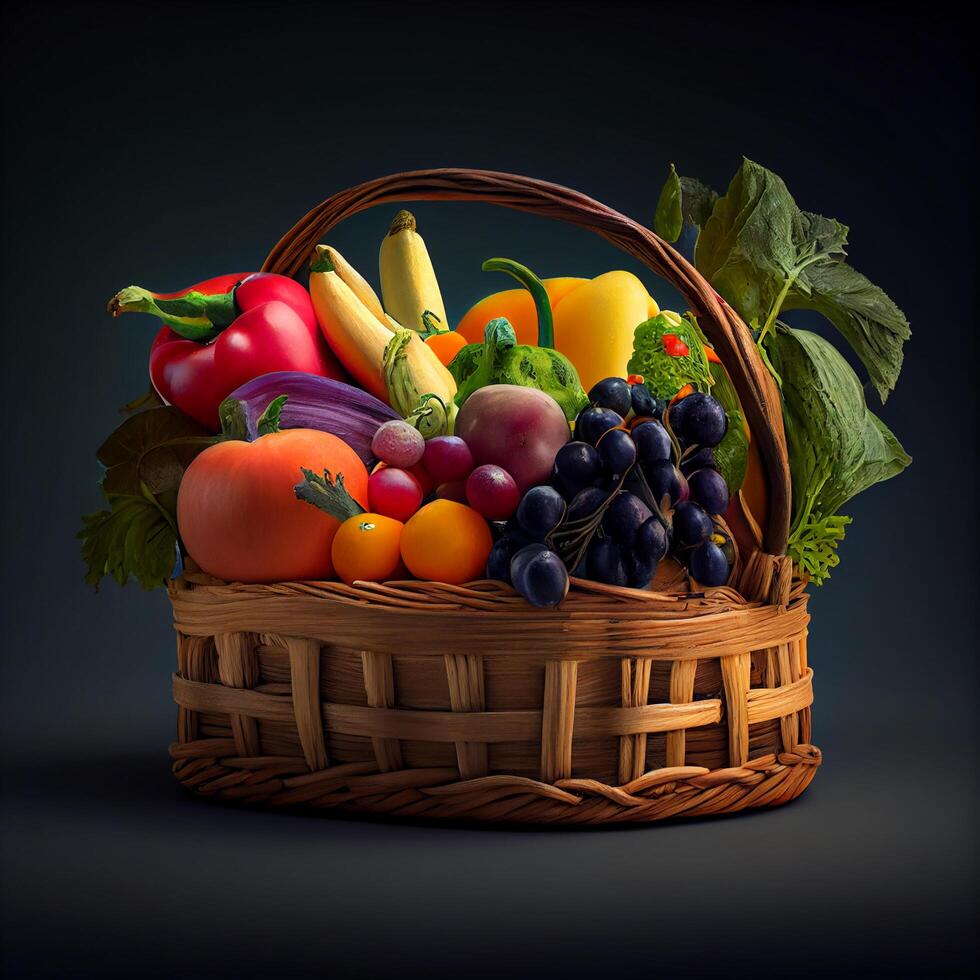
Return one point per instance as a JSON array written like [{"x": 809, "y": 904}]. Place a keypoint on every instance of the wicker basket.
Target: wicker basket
[{"x": 428, "y": 700}]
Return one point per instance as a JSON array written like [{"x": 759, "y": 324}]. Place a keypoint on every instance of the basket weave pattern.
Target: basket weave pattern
[{"x": 429, "y": 700}]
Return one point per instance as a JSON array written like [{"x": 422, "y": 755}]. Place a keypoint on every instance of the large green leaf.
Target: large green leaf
[
  {"x": 153, "y": 447},
  {"x": 757, "y": 242},
  {"x": 866, "y": 317},
  {"x": 838, "y": 447}
]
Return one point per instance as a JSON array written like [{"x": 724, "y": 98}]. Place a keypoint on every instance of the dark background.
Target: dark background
[{"x": 163, "y": 143}]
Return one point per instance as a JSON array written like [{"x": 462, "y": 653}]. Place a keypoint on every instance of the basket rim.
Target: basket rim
[{"x": 419, "y": 618}]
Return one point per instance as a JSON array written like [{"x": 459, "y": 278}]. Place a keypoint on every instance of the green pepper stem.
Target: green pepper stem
[
  {"x": 542, "y": 304},
  {"x": 192, "y": 316}
]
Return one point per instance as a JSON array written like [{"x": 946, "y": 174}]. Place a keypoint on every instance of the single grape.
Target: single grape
[
  {"x": 708, "y": 564},
  {"x": 492, "y": 492},
  {"x": 642, "y": 402},
  {"x": 447, "y": 458},
  {"x": 617, "y": 451},
  {"x": 612, "y": 393},
  {"x": 703, "y": 459},
  {"x": 521, "y": 558},
  {"x": 651, "y": 541},
  {"x": 498, "y": 563},
  {"x": 604, "y": 562},
  {"x": 709, "y": 489},
  {"x": 585, "y": 502},
  {"x": 394, "y": 492},
  {"x": 398, "y": 444},
  {"x": 699, "y": 419},
  {"x": 691, "y": 525},
  {"x": 623, "y": 518},
  {"x": 593, "y": 421},
  {"x": 639, "y": 571},
  {"x": 652, "y": 442},
  {"x": 577, "y": 465},
  {"x": 542, "y": 579},
  {"x": 664, "y": 481},
  {"x": 541, "y": 510}
]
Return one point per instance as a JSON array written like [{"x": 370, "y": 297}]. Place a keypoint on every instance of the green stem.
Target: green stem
[
  {"x": 546, "y": 328},
  {"x": 192, "y": 316}
]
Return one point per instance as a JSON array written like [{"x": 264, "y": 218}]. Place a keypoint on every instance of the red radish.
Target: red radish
[
  {"x": 394, "y": 493},
  {"x": 454, "y": 490},
  {"x": 493, "y": 492},
  {"x": 447, "y": 458}
]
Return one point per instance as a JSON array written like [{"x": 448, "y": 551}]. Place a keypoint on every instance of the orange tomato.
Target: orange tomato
[
  {"x": 446, "y": 345},
  {"x": 367, "y": 548},
  {"x": 239, "y": 517},
  {"x": 446, "y": 542},
  {"x": 517, "y": 306}
]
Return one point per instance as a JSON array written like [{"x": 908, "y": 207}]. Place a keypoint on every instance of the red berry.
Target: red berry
[
  {"x": 394, "y": 493},
  {"x": 493, "y": 492},
  {"x": 447, "y": 458}
]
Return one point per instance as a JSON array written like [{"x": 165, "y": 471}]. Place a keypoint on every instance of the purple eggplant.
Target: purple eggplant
[{"x": 312, "y": 402}]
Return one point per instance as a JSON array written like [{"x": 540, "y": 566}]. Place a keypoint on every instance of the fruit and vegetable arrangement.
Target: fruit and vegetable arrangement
[{"x": 565, "y": 430}]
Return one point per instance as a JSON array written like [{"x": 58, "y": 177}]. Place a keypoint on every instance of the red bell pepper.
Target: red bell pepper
[{"x": 226, "y": 331}]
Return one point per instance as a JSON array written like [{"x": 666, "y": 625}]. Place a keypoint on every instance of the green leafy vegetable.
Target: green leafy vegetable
[
  {"x": 145, "y": 458},
  {"x": 837, "y": 446},
  {"x": 668, "y": 222},
  {"x": 868, "y": 320},
  {"x": 135, "y": 537},
  {"x": 327, "y": 493},
  {"x": 757, "y": 243},
  {"x": 665, "y": 374},
  {"x": 683, "y": 201}
]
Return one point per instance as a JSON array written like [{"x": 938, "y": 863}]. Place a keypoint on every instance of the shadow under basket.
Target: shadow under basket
[{"x": 420, "y": 699}]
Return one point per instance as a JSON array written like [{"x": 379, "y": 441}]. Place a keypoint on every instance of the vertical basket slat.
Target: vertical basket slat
[
  {"x": 682, "y": 674},
  {"x": 635, "y": 692},
  {"x": 379, "y": 686},
  {"x": 558, "y": 719},
  {"x": 238, "y": 667},
  {"x": 735, "y": 676},
  {"x": 304, "y": 670},
  {"x": 467, "y": 693}
]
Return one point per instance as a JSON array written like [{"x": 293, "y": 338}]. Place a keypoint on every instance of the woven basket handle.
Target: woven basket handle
[{"x": 721, "y": 324}]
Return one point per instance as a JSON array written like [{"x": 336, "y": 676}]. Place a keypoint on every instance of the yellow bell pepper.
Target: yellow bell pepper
[{"x": 594, "y": 320}]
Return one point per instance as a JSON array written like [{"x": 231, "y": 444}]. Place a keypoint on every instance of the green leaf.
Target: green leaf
[
  {"x": 269, "y": 420},
  {"x": 683, "y": 201},
  {"x": 837, "y": 446},
  {"x": 757, "y": 242},
  {"x": 154, "y": 447},
  {"x": 328, "y": 494},
  {"x": 134, "y": 538},
  {"x": 697, "y": 201},
  {"x": 668, "y": 221},
  {"x": 868, "y": 320}
]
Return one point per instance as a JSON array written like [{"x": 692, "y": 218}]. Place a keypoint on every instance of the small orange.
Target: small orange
[
  {"x": 446, "y": 345},
  {"x": 446, "y": 542},
  {"x": 367, "y": 548}
]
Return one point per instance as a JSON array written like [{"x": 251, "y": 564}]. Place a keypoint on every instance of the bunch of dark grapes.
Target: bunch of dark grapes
[{"x": 638, "y": 483}]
